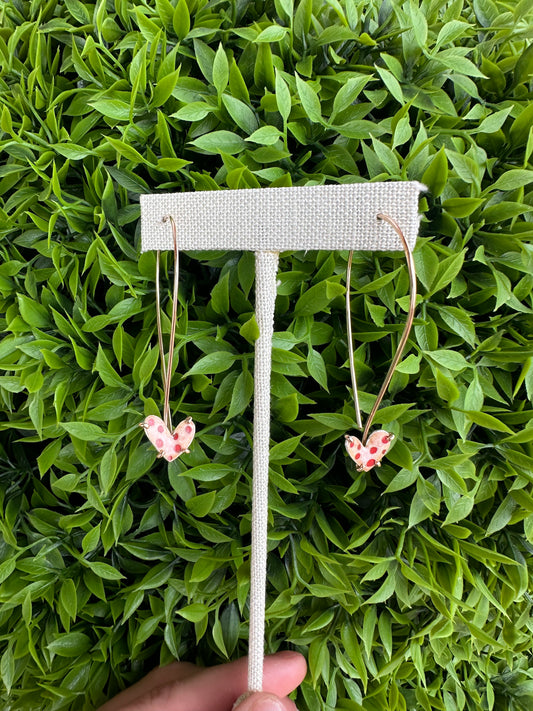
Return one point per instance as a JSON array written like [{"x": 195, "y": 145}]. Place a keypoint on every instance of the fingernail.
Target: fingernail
[{"x": 258, "y": 702}]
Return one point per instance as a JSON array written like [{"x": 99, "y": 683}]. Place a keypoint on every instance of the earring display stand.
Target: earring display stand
[{"x": 268, "y": 221}]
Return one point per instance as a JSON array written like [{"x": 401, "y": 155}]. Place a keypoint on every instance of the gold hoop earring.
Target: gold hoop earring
[
  {"x": 370, "y": 450},
  {"x": 169, "y": 444}
]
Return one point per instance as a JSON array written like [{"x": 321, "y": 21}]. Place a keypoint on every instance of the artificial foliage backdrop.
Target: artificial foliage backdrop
[{"x": 408, "y": 588}]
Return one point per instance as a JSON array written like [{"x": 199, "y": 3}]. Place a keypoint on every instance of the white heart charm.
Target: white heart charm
[
  {"x": 370, "y": 455},
  {"x": 169, "y": 445}
]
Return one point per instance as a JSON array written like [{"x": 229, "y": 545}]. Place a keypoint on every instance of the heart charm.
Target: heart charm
[
  {"x": 369, "y": 456},
  {"x": 169, "y": 445}
]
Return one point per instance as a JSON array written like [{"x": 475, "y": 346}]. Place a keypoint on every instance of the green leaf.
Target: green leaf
[
  {"x": 318, "y": 298},
  {"x": 112, "y": 109},
  {"x": 72, "y": 152},
  {"x": 125, "y": 150},
  {"x": 484, "y": 419},
  {"x": 68, "y": 598},
  {"x": 384, "y": 592},
  {"x": 459, "y": 322},
  {"x": 85, "y": 431},
  {"x": 286, "y": 408},
  {"x": 512, "y": 179},
  {"x": 317, "y": 368},
  {"x": 216, "y": 362},
  {"x": 459, "y": 510},
  {"x": 310, "y": 101},
  {"x": 521, "y": 126},
  {"x": 266, "y": 135},
  {"x": 348, "y": 94},
  {"x": 164, "y": 88},
  {"x": 105, "y": 370},
  {"x": 461, "y": 207},
  {"x": 210, "y": 472},
  {"x": 181, "y": 21},
  {"x": 104, "y": 570},
  {"x": 448, "y": 269},
  {"x": 403, "y": 479},
  {"x": 108, "y": 470},
  {"x": 7, "y": 669},
  {"x": 32, "y": 312},
  {"x": 220, "y": 296},
  {"x": 448, "y": 359},
  {"x": 7, "y": 568},
  {"x": 273, "y": 33},
  {"x": 241, "y": 113},
  {"x": 284, "y": 449},
  {"x": 450, "y": 59},
  {"x": 494, "y": 122},
  {"x": 436, "y": 174},
  {"x": 283, "y": 97},
  {"x": 194, "y": 613},
  {"x": 250, "y": 330},
  {"x": 220, "y": 70},
  {"x": 446, "y": 387},
  {"x": 201, "y": 505},
  {"x": 220, "y": 142},
  {"x": 48, "y": 456},
  {"x": 335, "y": 421},
  {"x": 392, "y": 84},
  {"x": 242, "y": 394},
  {"x": 72, "y": 644},
  {"x": 195, "y": 111},
  {"x": 501, "y": 516}
]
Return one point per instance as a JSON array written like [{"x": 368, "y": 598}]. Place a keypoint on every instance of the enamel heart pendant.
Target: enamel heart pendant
[
  {"x": 370, "y": 455},
  {"x": 169, "y": 445}
]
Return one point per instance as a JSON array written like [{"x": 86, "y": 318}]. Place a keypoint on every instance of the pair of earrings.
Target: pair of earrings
[{"x": 366, "y": 453}]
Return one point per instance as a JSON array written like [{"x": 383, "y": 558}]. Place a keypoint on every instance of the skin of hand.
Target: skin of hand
[{"x": 182, "y": 686}]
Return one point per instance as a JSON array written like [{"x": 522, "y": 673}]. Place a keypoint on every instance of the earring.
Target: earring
[
  {"x": 169, "y": 444},
  {"x": 370, "y": 450}
]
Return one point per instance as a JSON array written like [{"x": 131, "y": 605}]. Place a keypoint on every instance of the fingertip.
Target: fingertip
[
  {"x": 260, "y": 701},
  {"x": 293, "y": 660},
  {"x": 284, "y": 672}
]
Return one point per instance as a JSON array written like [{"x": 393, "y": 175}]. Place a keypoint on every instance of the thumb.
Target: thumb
[{"x": 261, "y": 701}]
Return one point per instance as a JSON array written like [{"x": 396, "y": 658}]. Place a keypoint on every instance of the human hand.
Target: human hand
[{"x": 182, "y": 686}]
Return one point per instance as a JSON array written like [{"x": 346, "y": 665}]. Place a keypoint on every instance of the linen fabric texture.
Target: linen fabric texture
[{"x": 331, "y": 217}]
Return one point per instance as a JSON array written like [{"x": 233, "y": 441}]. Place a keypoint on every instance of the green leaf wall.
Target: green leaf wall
[{"x": 408, "y": 588}]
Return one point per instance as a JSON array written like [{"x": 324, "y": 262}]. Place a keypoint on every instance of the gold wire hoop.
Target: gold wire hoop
[
  {"x": 403, "y": 339},
  {"x": 166, "y": 376}
]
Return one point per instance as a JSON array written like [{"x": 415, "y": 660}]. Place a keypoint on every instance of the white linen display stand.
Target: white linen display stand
[{"x": 268, "y": 221}]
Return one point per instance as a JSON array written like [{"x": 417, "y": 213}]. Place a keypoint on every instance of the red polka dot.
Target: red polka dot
[
  {"x": 384, "y": 451},
  {"x": 358, "y": 446},
  {"x": 176, "y": 435},
  {"x": 373, "y": 450},
  {"x": 188, "y": 428},
  {"x": 357, "y": 455},
  {"x": 160, "y": 428},
  {"x": 352, "y": 443},
  {"x": 370, "y": 462},
  {"x": 177, "y": 447},
  {"x": 150, "y": 421},
  {"x": 159, "y": 443},
  {"x": 385, "y": 440}
]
